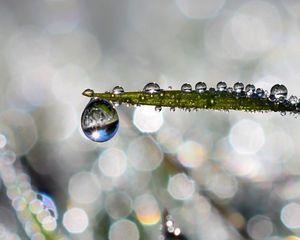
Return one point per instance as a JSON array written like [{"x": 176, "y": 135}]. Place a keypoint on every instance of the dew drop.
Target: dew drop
[
  {"x": 158, "y": 108},
  {"x": 282, "y": 113},
  {"x": 200, "y": 87},
  {"x": 229, "y": 89},
  {"x": 238, "y": 87},
  {"x": 250, "y": 89},
  {"x": 88, "y": 92},
  {"x": 172, "y": 109},
  {"x": 279, "y": 92},
  {"x": 293, "y": 100},
  {"x": 186, "y": 87},
  {"x": 221, "y": 86},
  {"x": 260, "y": 92},
  {"x": 99, "y": 120},
  {"x": 118, "y": 90},
  {"x": 151, "y": 88},
  {"x": 272, "y": 98}
]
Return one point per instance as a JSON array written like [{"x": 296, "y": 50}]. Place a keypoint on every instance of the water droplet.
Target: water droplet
[
  {"x": 221, "y": 86},
  {"x": 230, "y": 89},
  {"x": 272, "y": 98},
  {"x": 186, "y": 87},
  {"x": 152, "y": 88},
  {"x": 158, "y": 108},
  {"x": 172, "y": 109},
  {"x": 170, "y": 87},
  {"x": 279, "y": 92},
  {"x": 282, "y": 113},
  {"x": 99, "y": 120},
  {"x": 88, "y": 92},
  {"x": 250, "y": 89},
  {"x": 118, "y": 90},
  {"x": 293, "y": 99},
  {"x": 200, "y": 87},
  {"x": 238, "y": 87},
  {"x": 260, "y": 92}
]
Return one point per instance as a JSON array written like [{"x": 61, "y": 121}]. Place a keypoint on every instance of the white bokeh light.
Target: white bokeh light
[
  {"x": 191, "y": 154},
  {"x": 144, "y": 154},
  {"x": 247, "y": 137},
  {"x": 146, "y": 119},
  {"x": 75, "y": 220},
  {"x": 200, "y": 8},
  {"x": 84, "y": 188},
  {"x": 123, "y": 228},
  {"x": 259, "y": 227},
  {"x": 222, "y": 185},
  {"x": 147, "y": 210},
  {"x": 181, "y": 187},
  {"x": 253, "y": 29},
  {"x": 290, "y": 215},
  {"x": 112, "y": 162}
]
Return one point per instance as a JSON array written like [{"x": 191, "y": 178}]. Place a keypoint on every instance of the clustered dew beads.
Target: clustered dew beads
[{"x": 100, "y": 120}]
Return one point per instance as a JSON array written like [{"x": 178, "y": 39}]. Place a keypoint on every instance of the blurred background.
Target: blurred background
[{"x": 220, "y": 175}]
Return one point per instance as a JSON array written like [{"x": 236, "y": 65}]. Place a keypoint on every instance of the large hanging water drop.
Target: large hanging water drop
[
  {"x": 279, "y": 92},
  {"x": 99, "y": 120},
  {"x": 151, "y": 88}
]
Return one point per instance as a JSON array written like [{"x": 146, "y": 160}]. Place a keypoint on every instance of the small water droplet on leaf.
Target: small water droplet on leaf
[
  {"x": 280, "y": 92},
  {"x": 186, "y": 87},
  {"x": 118, "y": 90},
  {"x": 221, "y": 86},
  {"x": 151, "y": 88},
  {"x": 238, "y": 87},
  {"x": 200, "y": 87}
]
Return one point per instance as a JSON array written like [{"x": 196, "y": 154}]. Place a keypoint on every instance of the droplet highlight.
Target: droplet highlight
[
  {"x": 250, "y": 89},
  {"x": 221, "y": 86},
  {"x": 151, "y": 88},
  {"x": 238, "y": 87},
  {"x": 200, "y": 87},
  {"x": 293, "y": 100},
  {"x": 186, "y": 87},
  {"x": 279, "y": 92},
  {"x": 99, "y": 120},
  {"x": 260, "y": 92},
  {"x": 118, "y": 90}
]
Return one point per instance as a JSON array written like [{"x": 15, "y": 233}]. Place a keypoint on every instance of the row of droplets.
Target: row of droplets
[
  {"x": 100, "y": 121},
  {"x": 278, "y": 92}
]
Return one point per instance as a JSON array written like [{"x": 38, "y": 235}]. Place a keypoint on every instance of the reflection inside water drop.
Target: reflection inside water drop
[
  {"x": 279, "y": 92},
  {"x": 99, "y": 120}
]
